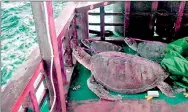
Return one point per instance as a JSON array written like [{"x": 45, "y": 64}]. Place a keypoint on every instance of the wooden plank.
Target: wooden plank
[
  {"x": 126, "y": 17},
  {"x": 180, "y": 15},
  {"x": 62, "y": 22},
  {"x": 102, "y": 25},
  {"x": 12, "y": 90},
  {"x": 60, "y": 79},
  {"x": 108, "y": 14},
  {"x": 75, "y": 34},
  {"x": 126, "y": 106},
  {"x": 108, "y": 24},
  {"x": 119, "y": 14},
  {"x": 32, "y": 95},
  {"x": 82, "y": 29},
  {"x": 86, "y": 6},
  {"x": 67, "y": 51}
]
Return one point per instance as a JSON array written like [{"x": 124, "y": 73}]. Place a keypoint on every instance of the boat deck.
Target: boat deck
[
  {"x": 84, "y": 100},
  {"x": 126, "y": 106}
]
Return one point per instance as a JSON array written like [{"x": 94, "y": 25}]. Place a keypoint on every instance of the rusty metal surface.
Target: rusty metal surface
[{"x": 126, "y": 106}]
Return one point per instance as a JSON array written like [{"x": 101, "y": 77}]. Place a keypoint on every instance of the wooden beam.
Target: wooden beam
[
  {"x": 180, "y": 15},
  {"x": 126, "y": 17},
  {"x": 62, "y": 22},
  {"x": 102, "y": 21},
  {"x": 108, "y": 24},
  {"x": 119, "y": 14},
  {"x": 82, "y": 28},
  {"x": 86, "y": 6}
]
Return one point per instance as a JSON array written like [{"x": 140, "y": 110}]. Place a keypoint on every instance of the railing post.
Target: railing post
[
  {"x": 35, "y": 104},
  {"x": 153, "y": 15},
  {"x": 126, "y": 17},
  {"x": 102, "y": 26},
  {"x": 82, "y": 25},
  {"x": 180, "y": 15},
  {"x": 45, "y": 27}
]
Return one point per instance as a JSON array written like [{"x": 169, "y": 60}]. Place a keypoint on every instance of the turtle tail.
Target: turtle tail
[{"x": 82, "y": 56}]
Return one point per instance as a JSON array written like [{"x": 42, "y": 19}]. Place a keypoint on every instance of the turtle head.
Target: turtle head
[
  {"x": 78, "y": 52},
  {"x": 131, "y": 43},
  {"x": 81, "y": 56},
  {"x": 86, "y": 43}
]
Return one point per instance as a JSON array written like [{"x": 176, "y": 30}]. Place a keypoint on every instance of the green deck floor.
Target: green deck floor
[{"x": 83, "y": 93}]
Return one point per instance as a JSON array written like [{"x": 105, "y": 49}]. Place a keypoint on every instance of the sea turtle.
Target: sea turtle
[
  {"x": 100, "y": 46},
  {"x": 152, "y": 50},
  {"x": 121, "y": 73}
]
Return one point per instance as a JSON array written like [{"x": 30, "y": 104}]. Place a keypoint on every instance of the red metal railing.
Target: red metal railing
[{"x": 29, "y": 90}]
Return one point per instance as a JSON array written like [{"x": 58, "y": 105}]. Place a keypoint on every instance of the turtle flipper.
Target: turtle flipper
[
  {"x": 166, "y": 89},
  {"x": 86, "y": 43},
  {"x": 100, "y": 91},
  {"x": 131, "y": 43}
]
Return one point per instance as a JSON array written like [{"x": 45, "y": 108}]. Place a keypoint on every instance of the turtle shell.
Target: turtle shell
[
  {"x": 102, "y": 46},
  {"x": 124, "y": 73},
  {"x": 154, "y": 51}
]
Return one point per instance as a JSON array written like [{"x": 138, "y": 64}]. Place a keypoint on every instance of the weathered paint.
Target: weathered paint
[{"x": 126, "y": 106}]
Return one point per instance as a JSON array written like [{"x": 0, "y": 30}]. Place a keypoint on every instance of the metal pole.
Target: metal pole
[{"x": 45, "y": 27}]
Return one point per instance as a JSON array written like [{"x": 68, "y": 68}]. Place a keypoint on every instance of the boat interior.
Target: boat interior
[{"x": 148, "y": 20}]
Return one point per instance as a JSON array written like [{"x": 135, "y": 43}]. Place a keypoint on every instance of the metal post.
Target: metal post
[
  {"x": 180, "y": 15},
  {"x": 45, "y": 27},
  {"x": 126, "y": 17},
  {"x": 102, "y": 26}
]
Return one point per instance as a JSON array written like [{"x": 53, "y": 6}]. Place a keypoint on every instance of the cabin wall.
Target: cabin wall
[{"x": 139, "y": 23}]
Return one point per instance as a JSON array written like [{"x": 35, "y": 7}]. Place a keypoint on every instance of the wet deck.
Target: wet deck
[{"x": 126, "y": 106}]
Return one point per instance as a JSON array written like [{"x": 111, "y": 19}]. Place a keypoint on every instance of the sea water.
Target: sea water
[{"x": 18, "y": 35}]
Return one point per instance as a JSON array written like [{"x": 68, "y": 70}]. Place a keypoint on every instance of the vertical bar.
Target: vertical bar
[
  {"x": 180, "y": 15},
  {"x": 34, "y": 100},
  {"x": 53, "y": 37},
  {"x": 152, "y": 19},
  {"x": 68, "y": 52},
  {"x": 126, "y": 17},
  {"x": 102, "y": 26},
  {"x": 75, "y": 35}
]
